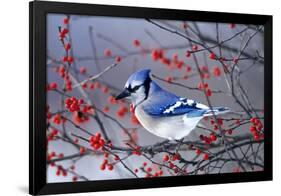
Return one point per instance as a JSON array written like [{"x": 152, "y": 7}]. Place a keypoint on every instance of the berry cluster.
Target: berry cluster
[
  {"x": 106, "y": 165},
  {"x": 152, "y": 171},
  {"x": 52, "y": 134},
  {"x": 217, "y": 124},
  {"x": 122, "y": 111},
  {"x": 208, "y": 139},
  {"x": 73, "y": 104},
  {"x": 96, "y": 141},
  {"x": 216, "y": 71},
  {"x": 256, "y": 128},
  {"x": 205, "y": 87},
  {"x": 52, "y": 86},
  {"x": 134, "y": 120},
  {"x": 61, "y": 171},
  {"x": 57, "y": 119}
]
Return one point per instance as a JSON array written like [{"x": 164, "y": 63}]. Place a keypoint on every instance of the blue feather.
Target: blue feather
[{"x": 165, "y": 104}]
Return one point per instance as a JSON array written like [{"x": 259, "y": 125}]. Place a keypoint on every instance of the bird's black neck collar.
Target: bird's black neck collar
[{"x": 146, "y": 85}]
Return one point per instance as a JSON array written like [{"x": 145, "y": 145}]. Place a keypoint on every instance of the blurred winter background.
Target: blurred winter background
[{"x": 92, "y": 36}]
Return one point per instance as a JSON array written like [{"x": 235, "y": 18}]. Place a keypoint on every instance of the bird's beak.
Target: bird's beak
[{"x": 122, "y": 95}]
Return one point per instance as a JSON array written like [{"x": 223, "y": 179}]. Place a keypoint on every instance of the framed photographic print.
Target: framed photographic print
[{"x": 127, "y": 98}]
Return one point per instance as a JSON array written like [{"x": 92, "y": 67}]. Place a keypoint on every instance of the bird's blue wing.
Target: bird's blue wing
[{"x": 167, "y": 104}]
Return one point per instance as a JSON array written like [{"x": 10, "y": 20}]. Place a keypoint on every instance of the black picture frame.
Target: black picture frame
[{"x": 37, "y": 93}]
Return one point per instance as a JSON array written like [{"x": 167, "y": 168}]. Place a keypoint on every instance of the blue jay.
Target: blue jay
[{"x": 162, "y": 113}]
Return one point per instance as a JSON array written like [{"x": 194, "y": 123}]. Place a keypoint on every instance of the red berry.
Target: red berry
[
  {"x": 212, "y": 56},
  {"x": 132, "y": 108},
  {"x": 102, "y": 167},
  {"x": 61, "y": 35},
  {"x": 237, "y": 122},
  {"x": 107, "y": 52},
  {"x": 187, "y": 54},
  {"x": 80, "y": 101},
  {"x": 155, "y": 55},
  {"x": 63, "y": 59},
  {"x": 175, "y": 157},
  {"x": 188, "y": 68},
  {"x": 64, "y": 173},
  {"x": 104, "y": 162},
  {"x": 253, "y": 120},
  {"x": 216, "y": 71},
  {"x": 58, "y": 172},
  {"x": 96, "y": 146},
  {"x": 105, "y": 109},
  {"x": 82, "y": 150},
  {"x": 232, "y": 25},
  {"x": 171, "y": 165},
  {"x": 252, "y": 129},
  {"x": 65, "y": 21},
  {"x": 116, "y": 157},
  {"x": 169, "y": 79},
  {"x": 149, "y": 169},
  {"x": 52, "y": 154},
  {"x": 213, "y": 137},
  {"x": 165, "y": 158},
  {"x": 110, "y": 167},
  {"x": 256, "y": 136},
  {"x": 175, "y": 57},
  {"x": 205, "y": 157},
  {"x": 206, "y": 85},
  {"x": 179, "y": 64},
  {"x": 219, "y": 121},
  {"x": 136, "y": 43},
  {"x": 98, "y": 135},
  {"x": 165, "y": 61},
  {"x": 53, "y": 85},
  {"x": 198, "y": 151},
  {"x": 98, "y": 85},
  {"x": 70, "y": 59},
  {"x": 64, "y": 31},
  {"x": 84, "y": 85},
  {"x": 200, "y": 85},
  {"x": 208, "y": 92},
  {"x": 92, "y": 85},
  {"x": 184, "y": 25},
  {"x": 194, "y": 47},
  {"x": 105, "y": 89},
  {"x": 118, "y": 59},
  {"x": 82, "y": 70},
  {"x": 134, "y": 119},
  {"x": 74, "y": 178},
  {"x": 216, "y": 127},
  {"x": 101, "y": 142},
  {"x": 67, "y": 46}
]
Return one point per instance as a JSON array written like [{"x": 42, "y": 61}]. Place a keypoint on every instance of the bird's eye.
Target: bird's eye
[
  {"x": 132, "y": 90},
  {"x": 136, "y": 88}
]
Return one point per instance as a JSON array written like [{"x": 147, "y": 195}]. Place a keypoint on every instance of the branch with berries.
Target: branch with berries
[{"x": 82, "y": 113}]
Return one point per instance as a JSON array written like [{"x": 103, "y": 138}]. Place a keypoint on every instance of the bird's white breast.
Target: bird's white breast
[{"x": 172, "y": 128}]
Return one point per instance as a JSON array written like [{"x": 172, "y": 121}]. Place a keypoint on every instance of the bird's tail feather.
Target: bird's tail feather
[{"x": 217, "y": 111}]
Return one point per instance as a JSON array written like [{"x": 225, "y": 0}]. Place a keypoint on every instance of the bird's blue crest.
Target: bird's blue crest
[{"x": 140, "y": 76}]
